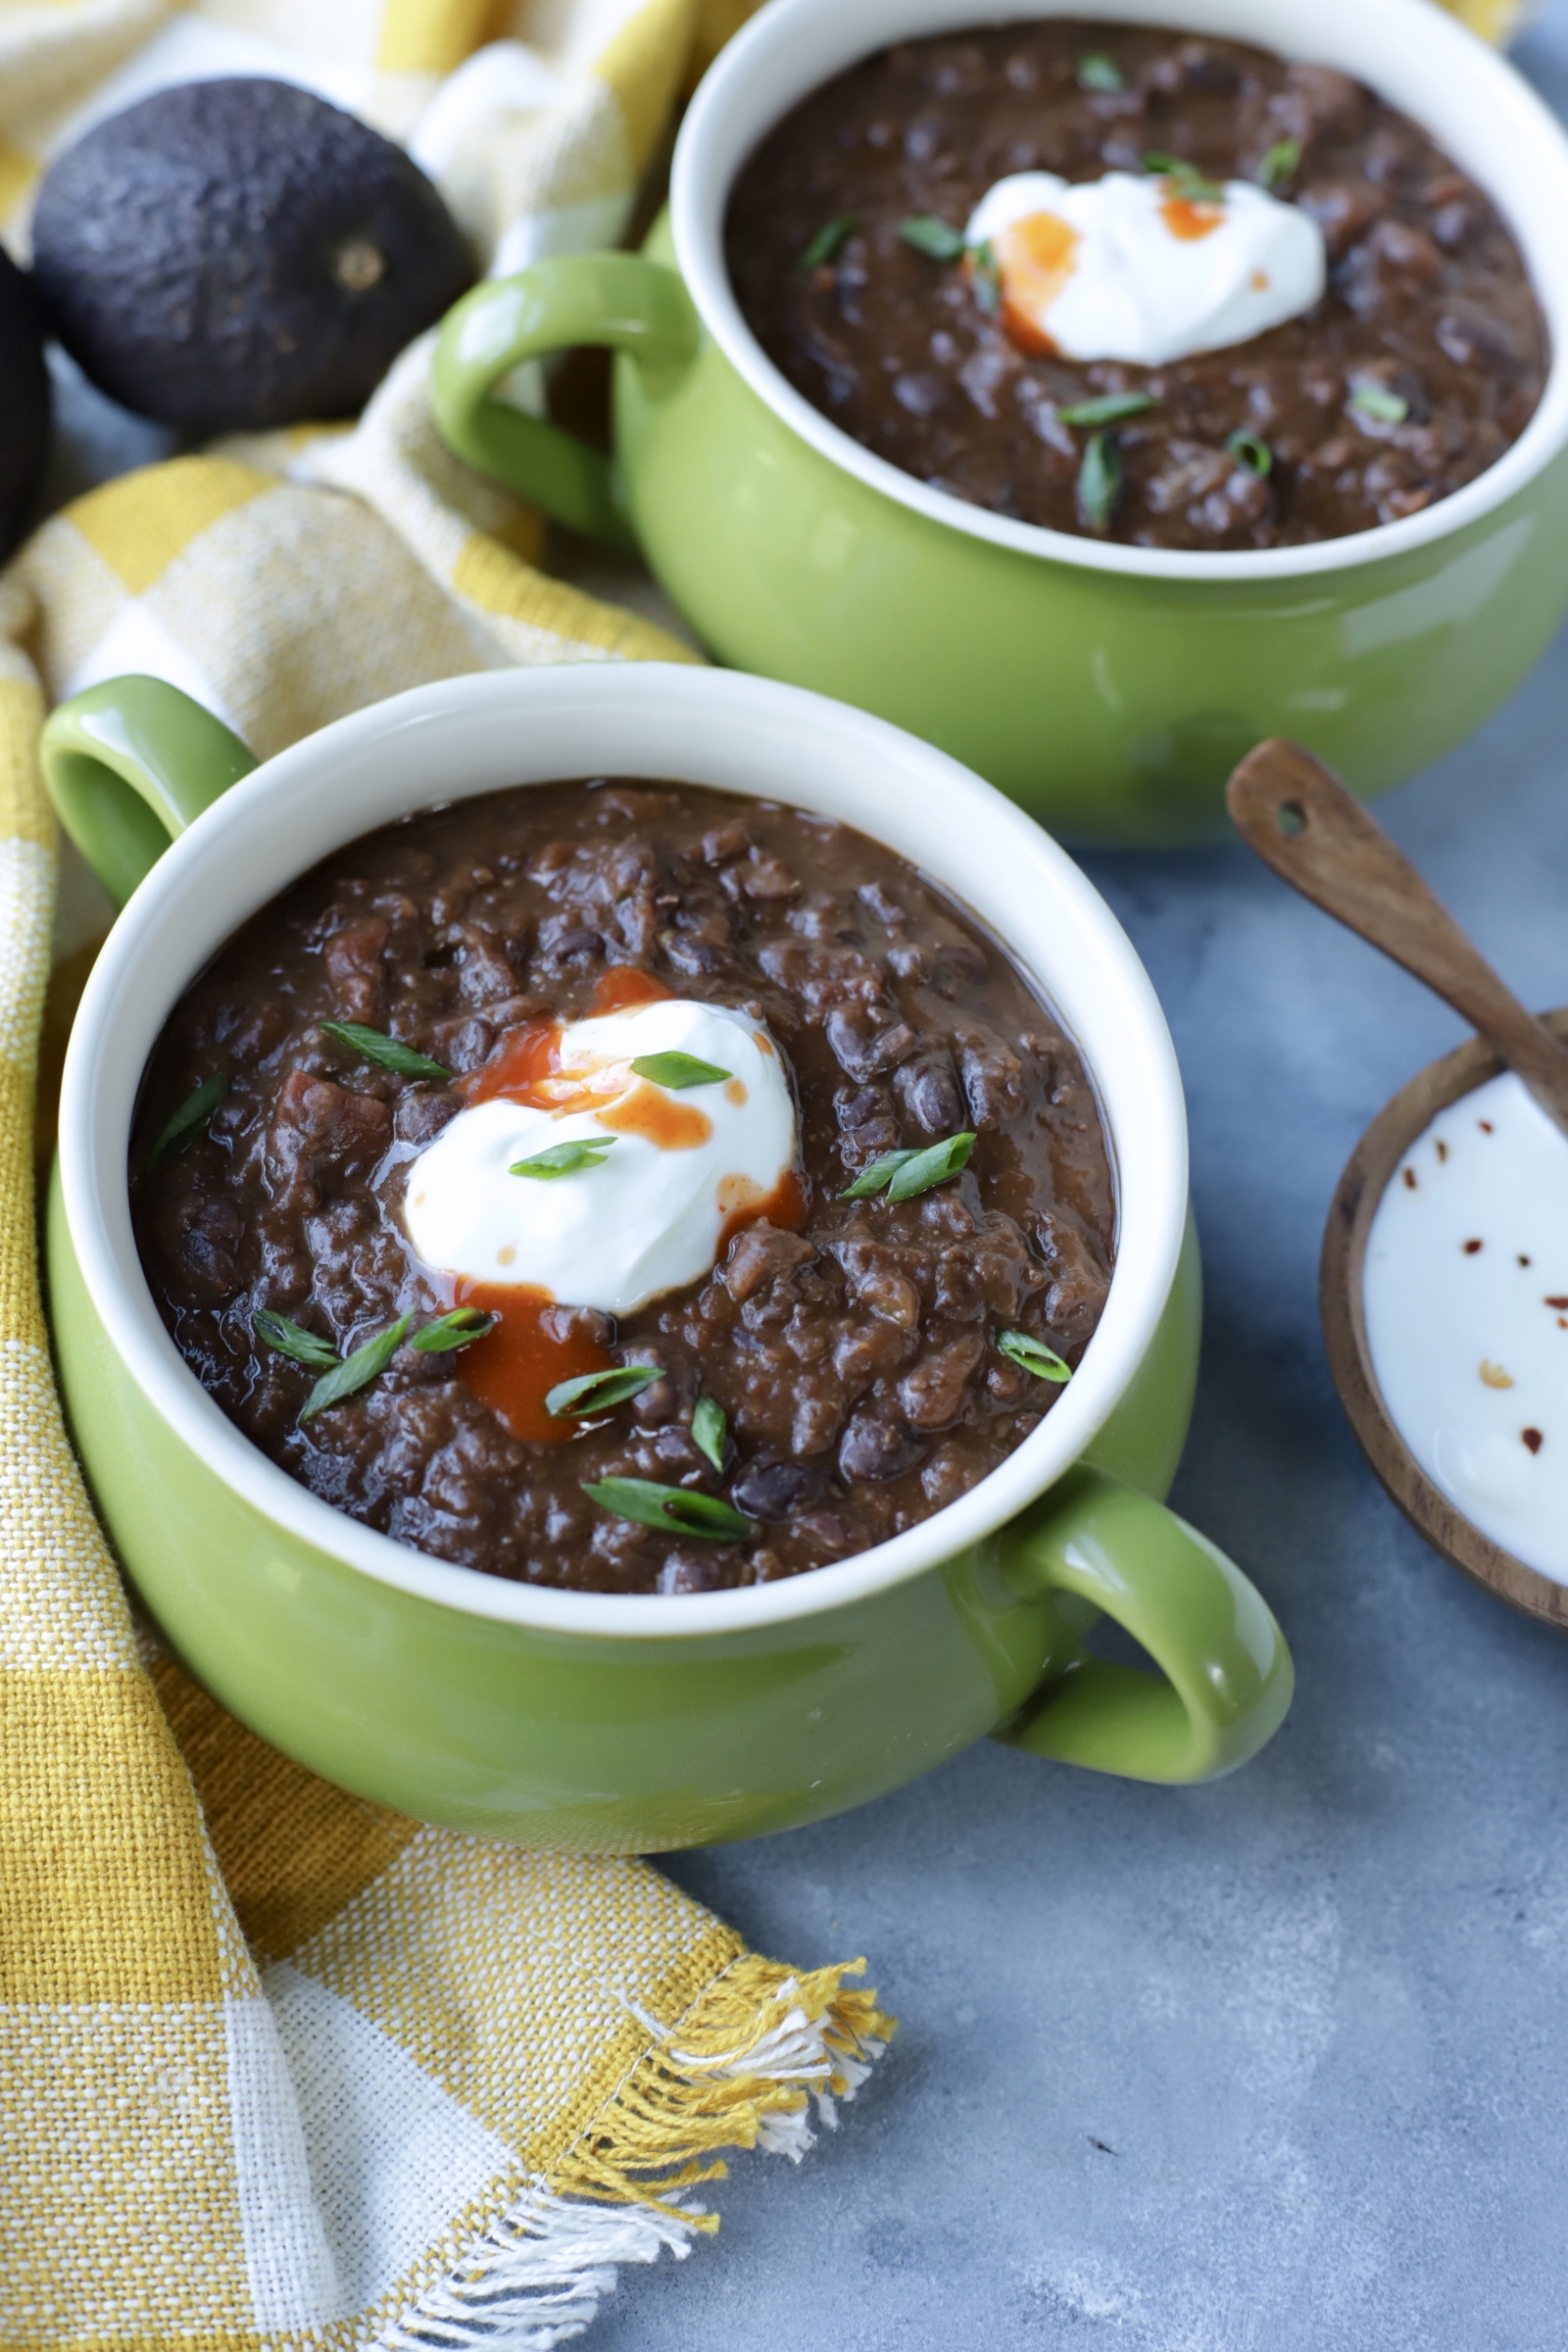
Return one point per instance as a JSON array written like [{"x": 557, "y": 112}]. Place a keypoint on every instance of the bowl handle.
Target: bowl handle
[
  {"x": 617, "y": 300},
  {"x": 1225, "y": 1678},
  {"x": 128, "y": 764}
]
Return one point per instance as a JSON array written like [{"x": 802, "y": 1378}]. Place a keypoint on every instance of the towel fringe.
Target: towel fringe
[{"x": 742, "y": 2068}]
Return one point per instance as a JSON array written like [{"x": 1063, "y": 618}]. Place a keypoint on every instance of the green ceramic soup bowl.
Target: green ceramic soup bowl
[
  {"x": 562, "y": 1718},
  {"x": 1108, "y": 689}
]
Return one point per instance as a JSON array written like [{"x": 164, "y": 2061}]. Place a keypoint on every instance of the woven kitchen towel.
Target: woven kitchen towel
[{"x": 277, "y": 2066}]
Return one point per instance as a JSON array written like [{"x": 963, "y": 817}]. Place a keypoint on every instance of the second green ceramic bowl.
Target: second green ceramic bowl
[{"x": 1108, "y": 689}]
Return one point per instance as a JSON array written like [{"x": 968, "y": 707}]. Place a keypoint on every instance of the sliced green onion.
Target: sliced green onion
[
  {"x": 1108, "y": 408},
  {"x": 1280, "y": 162},
  {"x": 829, "y": 238},
  {"x": 192, "y": 1114},
  {"x": 1033, "y": 1355},
  {"x": 1099, "y": 73},
  {"x": 903, "y": 1174},
  {"x": 1099, "y": 480},
  {"x": 675, "y": 1510},
  {"x": 710, "y": 1429},
  {"x": 456, "y": 1330},
  {"x": 1251, "y": 451},
  {"x": 877, "y": 1177},
  {"x": 597, "y": 1391},
  {"x": 1376, "y": 400},
  {"x": 985, "y": 273},
  {"x": 291, "y": 1339},
  {"x": 929, "y": 235},
  {"x": 373, "y": 1045},
  {"x": 356, "y": 1371},
  {"x": 563, "y": 1159},
  {"x": 679, "y": 1070},
  {"x": 1191, "y": 183}
]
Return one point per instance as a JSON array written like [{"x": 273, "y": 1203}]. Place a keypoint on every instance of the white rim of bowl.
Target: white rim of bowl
[
  {"x": 99, "y": 1088},
  {"x": 1427, "y": 51}
]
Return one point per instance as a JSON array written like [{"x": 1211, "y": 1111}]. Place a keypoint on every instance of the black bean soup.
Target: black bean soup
[
  {"x": 863, "y": 1362},
  {"x": 1423, "y": 362}
]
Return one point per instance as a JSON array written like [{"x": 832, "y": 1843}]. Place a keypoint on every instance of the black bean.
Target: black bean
[{"x": 874, "y": 1449}]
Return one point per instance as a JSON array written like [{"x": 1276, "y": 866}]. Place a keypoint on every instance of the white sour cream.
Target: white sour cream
[
  {"x": 680, "y": 1162},
  {"x": 1126, "y": 268},
  {"x": 1467, "y": 1274}
]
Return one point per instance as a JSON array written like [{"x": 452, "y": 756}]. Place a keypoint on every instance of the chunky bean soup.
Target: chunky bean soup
[
  {"x": 624, "y": 1186},
  {"x": 899, "y": 254}
]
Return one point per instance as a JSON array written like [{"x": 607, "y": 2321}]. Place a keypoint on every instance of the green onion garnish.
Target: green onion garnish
[
  {"x": 597, "y": 1391},
  {"x": 1096, "y": 71},
  {"x": 1099, "y": 480},
  {"x": 676, "y": 1510},
  {"x": 563, "y": 1159},
  {"x": 1251, "y": 451},
  {"x": 1033, "y": 1355},
  {"x": 985, "y": 273},
  {"x": 456, "y": 1330},
  {"x": 1108, "y": 408},
  {"x": 1280, "y": 162},
  {"x": 1191, "y": 183},
  {"x": 192, "y": 1114},
  {"x": 1376, "y": 400},
  {"x": 929, "y": 235},
  {"x": 679, "y": 1070},
  {"x": 373, "y": 1045},
  {"x": 291, "y": 1339},
  {"x": 709, "y": 1430},
  {"x": 356, "y": 1371},
  {"x": 903, "y": 1174},
  {"x": 825, "y": 245}
]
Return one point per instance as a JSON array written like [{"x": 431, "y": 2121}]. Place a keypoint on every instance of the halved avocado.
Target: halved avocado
[
  {"x": 230, "y": 256},
  {"x": 24, "y": 403}
]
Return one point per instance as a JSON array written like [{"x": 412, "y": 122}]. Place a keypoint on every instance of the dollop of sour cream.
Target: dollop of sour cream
[
  {"x": 1465, "y": 1288},
  {"x": 673, "y": 1165},
  {"x": 1129, "y": 267}
]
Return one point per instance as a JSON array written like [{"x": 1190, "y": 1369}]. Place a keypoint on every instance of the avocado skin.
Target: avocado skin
[
  {"x": 184, "y": 251},
  {"x": 24, "y": 402}
]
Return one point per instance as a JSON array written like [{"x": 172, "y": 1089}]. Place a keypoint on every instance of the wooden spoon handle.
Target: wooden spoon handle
[{"x": 1317, "y": 836}]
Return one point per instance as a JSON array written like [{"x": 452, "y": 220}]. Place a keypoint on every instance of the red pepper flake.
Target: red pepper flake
[
  {"x": 1533, "y": 1439},
  {"x": 1470, "y": 1248},
  {"x": 1558, "y": 1301},
  {"x": 1443, "y": 1148},
  {"x": 1485, "y": 1126},
  {"x": 1523, "y": 1261},
  {"x": 1409, "y": 1178}
]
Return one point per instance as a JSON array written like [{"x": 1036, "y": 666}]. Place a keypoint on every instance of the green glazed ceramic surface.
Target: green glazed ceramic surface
[
  {"x": 1111, "y": 706},
  {"x": 461, "y": 1699}
]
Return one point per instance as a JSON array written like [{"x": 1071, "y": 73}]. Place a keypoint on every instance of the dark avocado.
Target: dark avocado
[
  {"x": 230, "y": 256},
  {"x": 24, "y": 403}
]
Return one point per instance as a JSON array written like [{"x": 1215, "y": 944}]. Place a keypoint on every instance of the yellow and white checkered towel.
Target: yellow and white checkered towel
[{"x": 277, "y": 2066}]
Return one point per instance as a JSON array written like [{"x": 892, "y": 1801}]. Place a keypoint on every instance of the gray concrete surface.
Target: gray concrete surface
[{"x": 1281, "y": 2065}]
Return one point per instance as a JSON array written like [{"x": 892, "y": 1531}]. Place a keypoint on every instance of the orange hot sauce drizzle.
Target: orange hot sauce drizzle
[
  {"x": 742, "y": 1203},
  {"x": 623, "y": 985},
  {"x": 514, "y": 1366},
  {"x": 1036, "y": 256},
  {"x": 661, "y": 1119},
  {"x": 1190, "y": 217}
]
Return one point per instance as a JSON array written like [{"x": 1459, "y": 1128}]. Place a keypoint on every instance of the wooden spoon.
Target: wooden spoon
[
  {"x": 1317, "y": 836},
  {"x": 1303, "y": 824}
]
